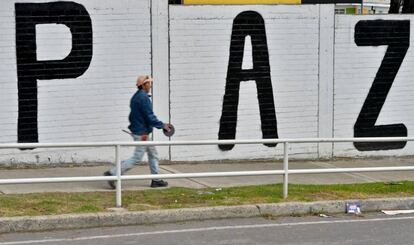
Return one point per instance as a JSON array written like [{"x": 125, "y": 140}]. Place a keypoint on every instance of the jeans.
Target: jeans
[{"x": 137, "y": 157}]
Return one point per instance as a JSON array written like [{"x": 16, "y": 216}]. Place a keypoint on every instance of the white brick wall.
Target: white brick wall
[
  {"x": 92, "y": 107},
  {"x": 199, "y": 55},
  {"x": 355, "y": 70},
  {"x": 320, "y": 79}
]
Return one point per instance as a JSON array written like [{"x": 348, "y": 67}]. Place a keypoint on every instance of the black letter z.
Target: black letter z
[{"x": 395, "y": 34}]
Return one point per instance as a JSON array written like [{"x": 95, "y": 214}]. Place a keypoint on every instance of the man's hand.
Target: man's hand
[
  {"x": 144, "y": 137},
  {"x": 167, "y": 127},
  {"x": 168, "y": 130}
]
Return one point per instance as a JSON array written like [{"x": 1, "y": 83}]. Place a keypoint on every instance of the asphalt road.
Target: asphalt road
[{"x": 367, "y": 229}]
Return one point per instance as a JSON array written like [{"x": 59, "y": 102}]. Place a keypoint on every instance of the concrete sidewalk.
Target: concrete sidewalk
[{"x": 210, "y": 182}]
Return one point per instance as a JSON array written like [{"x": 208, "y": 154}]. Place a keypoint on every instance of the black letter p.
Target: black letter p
[{"x": 29, "y": 69}]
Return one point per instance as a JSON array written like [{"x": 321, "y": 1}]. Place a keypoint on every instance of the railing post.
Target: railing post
[
  {"x": 118, "y": 175},
  {"x": 286, "y": 169}
]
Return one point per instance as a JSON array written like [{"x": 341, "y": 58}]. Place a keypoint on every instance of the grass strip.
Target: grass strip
[{"x": 12, "y": 205}]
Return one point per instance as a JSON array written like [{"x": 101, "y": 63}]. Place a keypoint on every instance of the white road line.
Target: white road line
[{"x": 204, "y": 229}]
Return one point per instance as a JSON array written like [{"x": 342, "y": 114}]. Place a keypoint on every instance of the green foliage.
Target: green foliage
[{"x": 64, "y": 203}]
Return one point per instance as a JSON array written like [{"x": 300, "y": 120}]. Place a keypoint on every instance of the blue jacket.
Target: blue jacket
[{"x": 142, "y": 118}]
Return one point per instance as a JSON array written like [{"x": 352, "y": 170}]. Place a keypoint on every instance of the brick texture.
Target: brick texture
[
  {"x": 200, "y": 44},
  {"x": 356, "y": 67},
  {"x": 91, "y": 107}
]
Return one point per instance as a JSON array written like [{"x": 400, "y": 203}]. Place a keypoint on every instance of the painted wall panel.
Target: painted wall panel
[
  {"x": 91, "y": 107},
  {"x": 200, "y": 38},
  {"x": 265, "y": 71},
  {"x": 356, "y": 68}
]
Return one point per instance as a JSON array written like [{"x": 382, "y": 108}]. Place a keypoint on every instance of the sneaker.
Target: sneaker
[
  {"x": 111, "y": 183},
  {"x": 159, "y": 183}
]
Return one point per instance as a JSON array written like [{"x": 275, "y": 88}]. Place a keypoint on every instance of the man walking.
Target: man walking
[{"x": 142, "y": 120}]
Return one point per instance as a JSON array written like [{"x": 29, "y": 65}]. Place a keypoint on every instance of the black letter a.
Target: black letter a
[{"x": 251, "y": 24}]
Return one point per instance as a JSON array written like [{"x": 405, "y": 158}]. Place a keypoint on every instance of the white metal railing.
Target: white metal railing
[{"x": 119, "y": 177}]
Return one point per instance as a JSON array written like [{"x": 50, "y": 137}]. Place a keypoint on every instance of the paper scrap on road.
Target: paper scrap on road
[
  {"x": 324, "y": 216},
  {"x": 395, "y": 212},
  {"x": 353, "y": 207}
]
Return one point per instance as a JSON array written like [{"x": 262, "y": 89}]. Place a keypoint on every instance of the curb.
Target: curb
[{"x": 78, "y": 221}]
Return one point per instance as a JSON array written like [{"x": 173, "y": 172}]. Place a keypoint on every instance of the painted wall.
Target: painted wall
[
  {"x": 78, "y": 61},
  {"x": 282, "y": 56},
  {"x": 373, "y": 83},
  {"x": 221, "y": 72},
  {"x": 347, "y": 76}
]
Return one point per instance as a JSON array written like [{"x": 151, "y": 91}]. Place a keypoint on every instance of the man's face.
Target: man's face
[{"x": 147, "y": 86}]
